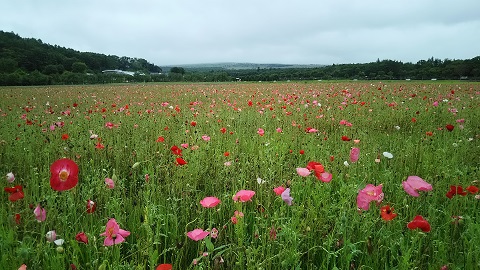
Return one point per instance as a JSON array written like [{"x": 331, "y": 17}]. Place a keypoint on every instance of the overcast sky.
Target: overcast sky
[{"x": 175, "y": 32}]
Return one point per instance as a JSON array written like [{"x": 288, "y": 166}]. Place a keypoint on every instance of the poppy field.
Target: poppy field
[{"x": 310, "y": 175}]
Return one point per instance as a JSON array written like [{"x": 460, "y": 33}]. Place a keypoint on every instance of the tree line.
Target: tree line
[{"x": 29, "y": 61}]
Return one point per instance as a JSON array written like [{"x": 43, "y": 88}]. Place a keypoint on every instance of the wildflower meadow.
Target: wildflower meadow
[{"x": 297, "y": 175}]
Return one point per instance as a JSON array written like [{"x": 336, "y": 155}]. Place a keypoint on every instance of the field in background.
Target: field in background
[{"x": 242, "y": 136}]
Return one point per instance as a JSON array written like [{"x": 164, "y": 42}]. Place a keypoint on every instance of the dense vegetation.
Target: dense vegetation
[{"x": 29, "y": 61}]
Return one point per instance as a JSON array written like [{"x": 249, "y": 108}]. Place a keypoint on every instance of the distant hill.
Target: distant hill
[
  {"x": 236, "y": 66},
  {"x": 29, "y": 54}
]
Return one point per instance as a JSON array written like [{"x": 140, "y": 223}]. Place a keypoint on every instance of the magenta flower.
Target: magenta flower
[
  {"x": 354, "y": 154},
  {"x": 244, "y": 195},
  {"x": 114, "y": 235},
  {"x": 260, "y": 131},
  {"x": 279, "y": 190},
  {"x": 368, "y": 194},
  {"x": 415, "y": 183},
  {"x": 197, "y": 234},
  {"x": 40, "y": 213},
  {"x": 109, "y": 182},
  {"x": 209, "y": 202},
  {"x": 286, "y": 196}
]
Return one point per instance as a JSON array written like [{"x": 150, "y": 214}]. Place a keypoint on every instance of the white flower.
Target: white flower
[
  {"x": 59, "y": 242},
  {"x": 346, "y": 163},
  {"x": 397, "y": 127},
  {"x": 387, "y": 155},
  {"x": 51, "y": 236},
  {"x": 260, "y": 181}
]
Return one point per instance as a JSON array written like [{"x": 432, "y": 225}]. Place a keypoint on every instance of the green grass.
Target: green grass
[{"x": 323, "y": 229}]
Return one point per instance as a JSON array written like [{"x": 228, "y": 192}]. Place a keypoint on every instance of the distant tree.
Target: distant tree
[
  {"x": 79, "y": 67},
  {"x": 179, "y": 70}
]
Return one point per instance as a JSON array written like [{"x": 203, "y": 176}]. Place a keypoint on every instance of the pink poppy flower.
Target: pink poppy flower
[
  {"x": 368, "y": 194},
  {"x": 286, "y": 197},
  {"x": 184, "y": 145},
  {"x": 279, "y": 130},
  {"x": 326, "y": 177},
  {"x": 197, "y": 234},
  {"x": 10, "y": 177},
  {"x": 244, "y": 195},
  {"x": 209, "y": 202},
  {"x": 23, "y": 267},
  {"x": 260, "y": 131},
  {"x": 109, "y": 182},
  {"x": 354, "y": 154},
  {"x": 304, "y": 172},
  {"x": 279, "y": 190},
  {"x": 40, "y": 213},
  {"x": 109, "y": 125},
  {"x": 114, "y": 235},
  {"x": 415, "y": 183},
  {"x": 206, "y": 138}
]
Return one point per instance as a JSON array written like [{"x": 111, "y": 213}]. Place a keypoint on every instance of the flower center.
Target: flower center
[{"x": 63, "y": 175}]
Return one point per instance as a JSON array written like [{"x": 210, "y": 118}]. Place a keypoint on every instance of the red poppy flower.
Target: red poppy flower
[
  {"x": 223, "y": 130},
  {"x": 17, "y": 219},
  {"x": 387, "y": 213},
  {"x": 176, "y": 151},
  {"x": 419, "y": 223},
  {"x": 414, "y": 120},
  {"x": 161, "y": 139},
  {"x": 65, "y": 136},
  {"x": 164, "y": 266},
  {"x": 81, "y": 237},
  {"x": 345, "y": 138},
  {"x": 16, "y": 193},
  {"x": 449, "y": 127},
  {"x": 91, "y": 206},
  {"x": 226, "y": 154},
  {"x": 99, "y": 145},
  {"x": 302, "y": 152},
  {"x": 193, "y": 123},
  {"x": 472, "y": 189},
  {"x": 64, "y": 174},
  {"x": 180, "y": 161},
  {"x": 455, "y": 190},
  {"x": 429, "y": 133}
]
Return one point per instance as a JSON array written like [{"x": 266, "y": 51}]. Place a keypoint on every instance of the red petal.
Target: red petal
[
  {"x": 16, "y": 196},
  {"x": 180, "y": 161},
  {"x": 472, "y": 189}
]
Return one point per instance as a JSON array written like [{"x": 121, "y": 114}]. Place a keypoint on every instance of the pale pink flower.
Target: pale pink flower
[
  {"x": 40, "y": 213},
  {"x": 23, "y": 267},
  {"x": 209, "y": 202},
  {"x": 214, "y": 233},
  {"x": 184, "y": 145},
  {"x": 228, "y": 163},
  {"x": 415, "y": 183},
  {"x": 304, "y": 172},
  {"x": 10, "y": 177},
  {"x": 279, "y": 130},
  {"x": 109, "y": 182},
  {"x": 354, "y": 154},
  {"x": 244, "y": 195},
  {"x": 51, "y": 236},
  {"x": 197, "y": 234},
  {"x": 368, "y": 194},
  {"x": 206, "y": 138},
  {"x": 286, "y": 197}
]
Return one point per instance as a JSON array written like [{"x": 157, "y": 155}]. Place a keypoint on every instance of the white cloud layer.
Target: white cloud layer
[{"x": 289, "y": 32}]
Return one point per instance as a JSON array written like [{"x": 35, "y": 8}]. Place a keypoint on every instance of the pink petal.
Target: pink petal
[
  {"x": 303, "y": 172},
  {"x": 409, "y": 189},
  {"x": 326, "y": 177},
  {"x": 418, "y": 183}
]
